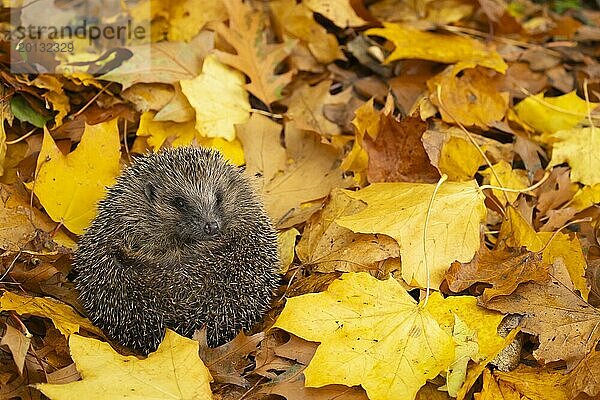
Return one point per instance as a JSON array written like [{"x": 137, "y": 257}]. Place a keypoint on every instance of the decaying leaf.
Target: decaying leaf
[
  {"x": 397, "y": 153},
  {"x": 306, "y": 170},
  {"x": 504, "y": 269},
  {"x": 18, "y": 344},
  {"x": 306, "y": 105},
  {"x": 567, "y": 326},
  {"x": 165, "y": 62},
  {"x": 328, "y": 247},
  {"x": 227, "y": 361}
]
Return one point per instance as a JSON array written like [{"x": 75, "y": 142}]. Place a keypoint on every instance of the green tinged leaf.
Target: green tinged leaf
[{"x": 23, "y": 112}]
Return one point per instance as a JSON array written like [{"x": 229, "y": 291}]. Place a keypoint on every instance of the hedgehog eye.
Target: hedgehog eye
[
  {"x": 219, "y": 198},
  {"x": 179, "y": 202}
]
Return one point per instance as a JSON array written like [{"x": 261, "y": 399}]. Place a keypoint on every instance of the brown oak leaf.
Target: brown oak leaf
[{"x": 255, "y": 56}]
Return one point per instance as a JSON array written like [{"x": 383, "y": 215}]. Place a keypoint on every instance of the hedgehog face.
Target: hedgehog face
[
  {"x": 193, "y": 218},
  {"x": 185, "y": 197},
  {"x": 183, "y": 212}
]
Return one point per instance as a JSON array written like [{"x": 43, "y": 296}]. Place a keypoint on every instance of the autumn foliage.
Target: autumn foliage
[{"x": 432, "y": 168}]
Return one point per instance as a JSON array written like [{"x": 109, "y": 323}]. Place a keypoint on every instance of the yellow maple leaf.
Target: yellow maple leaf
[
  {"x": 444, "y": 48},
  {"x": 157, "y": 133},
  {"x": 509, "y": 178},
  {"x": 255, "y": 57},
  {"x": 65, "y": 318},
  {"x": 399, "y": 210},
  {"x": 219, "y": 99},
  {"x": 580, "y": 147},
  {"x": 372, "y": 334},
  {"x": 517, "y": 232},
  {"x": 70, "y": 186},
  {"x": 174, "y": 371},
  {"x": 478, "y": 319},
  {"x": 472, "y": 99},
  {"x": 552, "y": 114}
]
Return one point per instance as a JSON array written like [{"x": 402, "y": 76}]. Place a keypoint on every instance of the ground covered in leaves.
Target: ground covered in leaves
[{"x": 432, "y": 168}]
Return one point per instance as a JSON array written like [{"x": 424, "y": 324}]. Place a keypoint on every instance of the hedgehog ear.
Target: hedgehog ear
[{"x": 149, "y": 191}]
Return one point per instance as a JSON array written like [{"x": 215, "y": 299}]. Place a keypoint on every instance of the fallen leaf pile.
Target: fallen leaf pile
[{"x": 432, "y": 168}]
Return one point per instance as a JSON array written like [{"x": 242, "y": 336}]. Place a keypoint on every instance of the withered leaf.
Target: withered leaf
[
  {"x": 397, "y": 153},
  {"x": 504, "y": 269},
  {"x": 566, "y": 325},
  {"x": 228, "y": 361}
]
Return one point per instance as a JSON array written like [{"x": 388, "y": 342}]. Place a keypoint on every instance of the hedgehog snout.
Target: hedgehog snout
[{"x": 211, "y": 228}]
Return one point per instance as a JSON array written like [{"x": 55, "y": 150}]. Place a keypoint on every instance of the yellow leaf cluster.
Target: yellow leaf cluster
[
  {"x": 158, "y": 133},
  {"x": 373, "y": 334}
]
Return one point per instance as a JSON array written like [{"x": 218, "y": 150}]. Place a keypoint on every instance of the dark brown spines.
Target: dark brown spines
[{"x": 180, "y": 241}]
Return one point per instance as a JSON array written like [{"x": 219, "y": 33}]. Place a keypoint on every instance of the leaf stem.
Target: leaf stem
[
  {"x": 527, "y": 189},
  {"x": 425, "y": 229}
]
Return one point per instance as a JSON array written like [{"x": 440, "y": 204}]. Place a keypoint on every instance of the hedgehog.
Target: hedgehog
[{"x": 181, "y": 241}]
